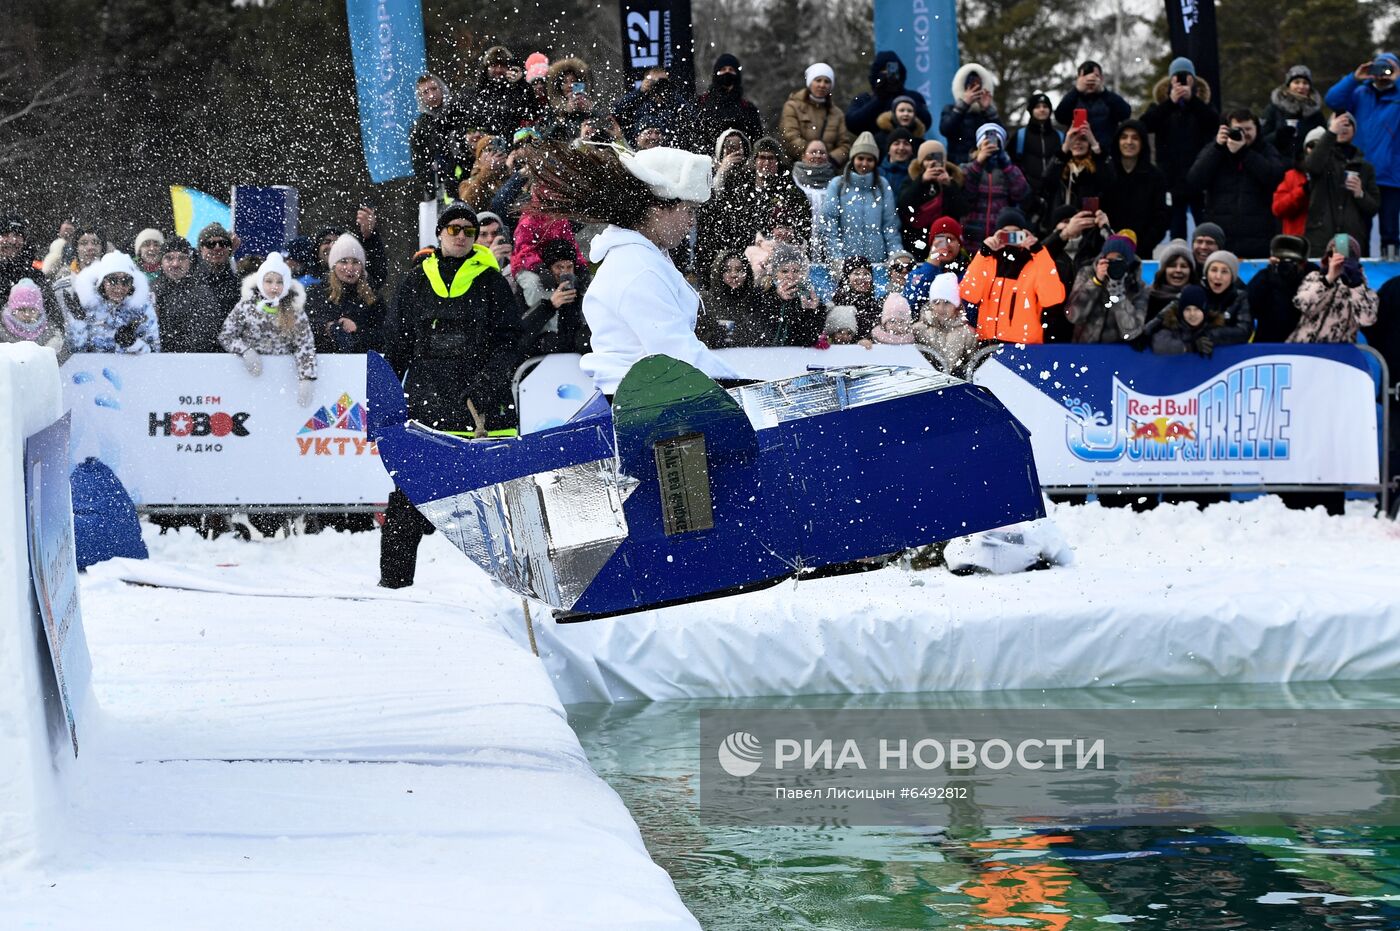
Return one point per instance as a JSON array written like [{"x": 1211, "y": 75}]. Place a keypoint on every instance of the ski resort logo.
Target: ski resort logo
[
  {"x": 347, "y": 417},
  {"x": 1241, "y": 415},
  {"x": 741, "y": 754}
]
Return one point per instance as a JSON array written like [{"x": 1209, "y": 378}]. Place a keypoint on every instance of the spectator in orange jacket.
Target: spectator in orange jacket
[{"x": 1011, "y": 280}]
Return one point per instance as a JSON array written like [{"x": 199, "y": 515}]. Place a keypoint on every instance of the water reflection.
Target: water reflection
[{"x": 970, "y": 875}]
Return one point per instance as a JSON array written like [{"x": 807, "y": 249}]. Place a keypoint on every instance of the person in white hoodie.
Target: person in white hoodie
[{"x": 639, "y": 303}]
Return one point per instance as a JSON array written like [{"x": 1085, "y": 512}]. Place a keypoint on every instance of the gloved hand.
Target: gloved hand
[
  {"x": 1141, "y": 342},
  {"x": 306, "y": 387},
  {"x": 125, "y": 336},
  {"x": 1205, "y": 346},
  {"x": 252, "y": 362}
]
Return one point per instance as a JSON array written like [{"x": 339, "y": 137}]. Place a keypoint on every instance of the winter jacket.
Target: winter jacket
[
  {"x": 729, "y": 316},
  {"x": 1110, "y": 311},
  {"x": 1331, "y": 312},
  {"x": 1137, "y": 200},
  {"x": 188, "y": 314},
  {"x": 534, "y": 228},
  {"x": 740, "y": 210},
  {"x": 1011, "y": 287},
  {"x": 95, "y": 324},
  {"x": 864, "y": 112},
  {"x": 1180, "y": 130},
  {"x": 452, "y": 349},
  {"x": 1234, "y": 311},
  {"x": 547, "y": 329},
  {"x": 787, "y": 323},
  {"x": 42, "y": 331},
  {"x": 1035, "y": 149},
  {"x": 719, "y": 110},
  {"x": 251, "y": 325},
  {"x": 1271, "y": 304},
  {"x": 896, "y": 174},
  {"x": 1332, "y": 209},
  {"x": 1105, "y": 111},
  {"x": 950, "y": 337},
  {"x": 990, "y": 190},
  {"x": 1170, "y": 335},
  {"x": 1377, "y": 122},
  {"x": 922, "y": 202},
  {"x": 1239, "y": 192},
  {"x": 640, "y": 305},
  {"x": 222, "y": 281},
  {"x": 555, "y": 84},
  {"x": 1075, "y": 179},
  {"x": 324, "y": 314},
  {"x": 859, "y": 217},
  {"x": 958, "y": 122},
  {"x": 916, "y": 286},
  {"x": 1305, "y": 114},
  {"x": 804, "y": 120},
  {"x": 432, "y": 145},
  {"x": 1291, "y": 202},
  {"x": 498, "y": 107}
]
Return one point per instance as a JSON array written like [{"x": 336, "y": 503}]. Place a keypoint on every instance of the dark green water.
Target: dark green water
[{"x": 1286, "y": 876}]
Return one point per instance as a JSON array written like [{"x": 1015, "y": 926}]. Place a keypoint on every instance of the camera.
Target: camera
[
  {"x": 1015, "y": 237},
  {"x": 1235, "y": 133}
]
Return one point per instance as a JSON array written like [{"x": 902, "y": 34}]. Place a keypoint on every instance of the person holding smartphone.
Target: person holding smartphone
[
  {"x": 1104, "y": 109},
  {"x": 1343, "y": 193},
  {"x": 1011, "y": 280},
  {"x": 1182, "y": 120},
  {"x": 1370, "y": 95}
]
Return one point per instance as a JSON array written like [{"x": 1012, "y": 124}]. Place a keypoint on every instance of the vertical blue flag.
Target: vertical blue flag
[
  {"x": 924, "y": 33},
  {"x": 386, "y": 40}
]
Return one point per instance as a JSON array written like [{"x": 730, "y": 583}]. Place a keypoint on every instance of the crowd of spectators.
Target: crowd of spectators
[{"x": 828, "y": 223}]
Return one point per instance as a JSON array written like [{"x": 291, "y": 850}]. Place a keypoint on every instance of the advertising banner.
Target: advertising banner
[
  {"x": 386, "y": 42},
  {"x": 658, "y": 32},
  {"x": 924, "y": 34},
  {"x": 53, "y": 566},
  {"x": 195, "y": 429},
  {"x": 1248, "y": 416}
]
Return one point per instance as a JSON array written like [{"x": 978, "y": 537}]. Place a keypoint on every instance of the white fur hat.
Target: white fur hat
[
  {"x": 672, "y": 174},
  {"x": 274, "y": 263},
  {"x": 840, "y": 317},
  {"x": 945, "y": 288}
]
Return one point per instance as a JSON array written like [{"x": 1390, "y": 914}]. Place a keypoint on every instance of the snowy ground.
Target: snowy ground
[{"x": 446, "y": 789}]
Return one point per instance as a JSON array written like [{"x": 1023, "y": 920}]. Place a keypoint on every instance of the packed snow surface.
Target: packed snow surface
[{"x": 282, "y": 744}]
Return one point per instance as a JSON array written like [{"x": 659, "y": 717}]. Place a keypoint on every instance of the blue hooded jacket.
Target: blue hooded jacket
[
  {"x": 866, "y": 109},
  {"x": 1377, "y": 116}
]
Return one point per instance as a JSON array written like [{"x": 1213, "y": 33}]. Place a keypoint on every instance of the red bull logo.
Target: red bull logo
[{"x": 1161, "y": 430}]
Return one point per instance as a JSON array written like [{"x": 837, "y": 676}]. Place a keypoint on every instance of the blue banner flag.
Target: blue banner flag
[
  {"x": 924, "y": 33},
  {"x": 386, "y": 40}
]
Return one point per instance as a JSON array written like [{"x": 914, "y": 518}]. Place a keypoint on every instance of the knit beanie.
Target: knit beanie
[
  {"x": 903, "y": 98},
  {"x": 25, "y": 293},
  {"x": 1212, "y": 230},
  {"x": 819, "y": 70},
  {"x": 1173, "y": 248},
  {"x": 988, "y": 129},
  {"x": 1229, "y": 259},
  {"x": 1314, "y": 134},
  {"x": 1284, "y": 246},
  {"x": 1120, "y": 244},
  {"x": 945, "y": 288},
  {"x": 213, "y": 231},
  {"x": 1182, "y": 65},
  {"x": 945, "y": 226},
  {"x": 537, "y": 67},
  {"x": 1010, "y": 216},
  {"x": 930, "y": 148},
  {"x": 865, "y": 145},
  {"x": 458, "y": 212},
  {"x": 346, "y": 247},
  {"x": 1193, "y": 295},
  {"x": 900, "y": 134},
  {"x": 840, "y": 317},
  {"x": 1298, "y": 71},
  {"x": 145, "y": 236},
  {"x": 1036, "y": 99}
]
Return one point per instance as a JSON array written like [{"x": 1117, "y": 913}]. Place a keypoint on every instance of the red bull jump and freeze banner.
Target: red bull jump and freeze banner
[
  {"x": 1249, "y": 416},
  {"x": 386, "y": 42}
]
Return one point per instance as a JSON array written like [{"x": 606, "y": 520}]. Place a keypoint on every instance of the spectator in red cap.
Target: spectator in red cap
[{"x": 945, "y": 254}]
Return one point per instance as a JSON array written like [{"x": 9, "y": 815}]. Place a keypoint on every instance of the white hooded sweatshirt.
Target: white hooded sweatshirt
[{"x": 639, "y": 305}]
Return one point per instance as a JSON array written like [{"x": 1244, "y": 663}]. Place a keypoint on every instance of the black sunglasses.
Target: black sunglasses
[{"x": 217, "y": 243}]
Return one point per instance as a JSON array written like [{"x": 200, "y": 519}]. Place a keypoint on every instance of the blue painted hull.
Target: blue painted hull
[{"x": 684, "y": 491}]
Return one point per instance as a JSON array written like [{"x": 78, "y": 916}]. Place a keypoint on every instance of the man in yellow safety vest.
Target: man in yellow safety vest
[{"x": 454, "y": 336}]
